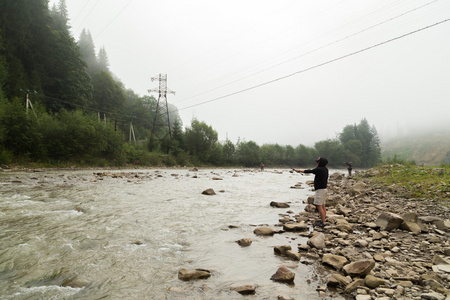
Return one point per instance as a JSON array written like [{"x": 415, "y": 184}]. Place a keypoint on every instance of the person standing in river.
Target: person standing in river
[{"x": 320, "y": 187}]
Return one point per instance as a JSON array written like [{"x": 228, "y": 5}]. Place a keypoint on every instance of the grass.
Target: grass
[{"x": 416, "y": 182}]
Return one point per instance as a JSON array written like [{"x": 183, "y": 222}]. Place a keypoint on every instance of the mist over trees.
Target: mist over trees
[{"x": 82, "y": 114}]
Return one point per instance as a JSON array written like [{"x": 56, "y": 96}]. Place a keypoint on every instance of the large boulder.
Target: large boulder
[{"x": 388, "y": 221}]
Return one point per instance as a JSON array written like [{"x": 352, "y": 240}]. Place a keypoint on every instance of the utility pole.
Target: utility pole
[{"x": 161, "y": 122}]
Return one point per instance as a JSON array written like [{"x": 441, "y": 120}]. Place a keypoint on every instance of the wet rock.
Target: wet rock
[
  {"x": 281, "y": 250},
  {"x": 264, "y": 231},
  {"x": 293, "y": 255},
  {"x": 296, "y": 227},
  {"x": 283, "y": 275},
  {"x": 209, "y": 192},
  {"x": 217, "y": 178},
  {"x": 186, "y": 275},
  {"x": 279, "y": 204},
  {"x": 248, "y": 289},
  {"x": 244, "y": 242}
]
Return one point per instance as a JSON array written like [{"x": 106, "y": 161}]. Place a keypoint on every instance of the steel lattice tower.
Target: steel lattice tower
[{"x": 161, "y": 121}]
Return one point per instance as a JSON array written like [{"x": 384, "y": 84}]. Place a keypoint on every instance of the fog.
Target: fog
[{"x": 286, "y": 72}]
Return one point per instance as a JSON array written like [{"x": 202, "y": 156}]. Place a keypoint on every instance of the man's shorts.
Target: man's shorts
[{"x": 320, "y": 197}]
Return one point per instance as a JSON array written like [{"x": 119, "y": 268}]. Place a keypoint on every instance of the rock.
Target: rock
[
  {"x": 264, "y": 231},
  {"x": 432, "y": 296},
  {"x": 341, "y": 210},
  {"x": 283, "y": 275},
  {"x": 209, "y": 192},
  {"x": 217, "y": 178},
  {"x": 296, "y": 227},
  {"x": 310, "y": 208},
  {"x": 281, "y": 250},
  {"x": 410, "y": 226},
  {"x": 354, "y": 285},
  {"x": 359, "y": 268},
  {"x": 317, "y": 241},
  {"x": 244, "y": 242},
  {"x": 388, "y": 221},
  {"x": 293, "y": 255},
  {"x": 279, "y": 204},
  {"x": 248, "y": 289},
  {"x": 373, "y": 282},
  {"x": 335, "y": 261},
  {"x": 357, "y": 189},
  {"x": 440, "y": 260},
  {"x": 337, "y": 279},
  {"x": 186, "y": 275}
]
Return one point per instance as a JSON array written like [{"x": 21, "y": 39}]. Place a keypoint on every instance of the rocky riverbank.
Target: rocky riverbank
[{"x": 376, "y": 245}]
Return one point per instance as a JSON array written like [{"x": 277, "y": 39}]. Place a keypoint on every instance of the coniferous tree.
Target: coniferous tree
[
  {"x": 86, "y": 44},
  {"x": 103, "y": 62}
]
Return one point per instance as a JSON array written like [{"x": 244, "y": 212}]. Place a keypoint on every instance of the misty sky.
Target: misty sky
[{"x": 288, "y": 71}]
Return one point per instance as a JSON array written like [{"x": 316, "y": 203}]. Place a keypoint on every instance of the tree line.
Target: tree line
[{"x": 73, "y": 93}]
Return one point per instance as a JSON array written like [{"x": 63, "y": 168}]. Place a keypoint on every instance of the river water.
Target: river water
[{"x": 75, "y": 235}]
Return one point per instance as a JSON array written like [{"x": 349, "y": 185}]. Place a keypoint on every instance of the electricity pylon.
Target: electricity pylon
[{"x": 161, "y": 121}]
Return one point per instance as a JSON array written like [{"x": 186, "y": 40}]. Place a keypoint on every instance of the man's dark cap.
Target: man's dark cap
[{"x": 322, "y": 161}]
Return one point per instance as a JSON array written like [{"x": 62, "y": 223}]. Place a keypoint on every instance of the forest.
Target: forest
[{"x": 60, "y": 105}]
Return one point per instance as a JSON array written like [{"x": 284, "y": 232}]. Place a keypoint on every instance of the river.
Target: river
[{"x": 76, "y": 235}]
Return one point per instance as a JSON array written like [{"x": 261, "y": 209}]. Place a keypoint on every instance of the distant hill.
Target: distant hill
[{"x": 428, "y": 149}]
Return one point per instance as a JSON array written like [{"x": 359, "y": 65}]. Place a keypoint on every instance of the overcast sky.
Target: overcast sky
[{"x": 288, "y": 71}]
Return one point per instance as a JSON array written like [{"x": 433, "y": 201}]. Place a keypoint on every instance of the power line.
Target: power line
[
  {"x": 319, "y": 65},
  {"x": 309, "y": 52},
  {"x": 107, "y": 25},
  {"x": 88, "y": 14}
]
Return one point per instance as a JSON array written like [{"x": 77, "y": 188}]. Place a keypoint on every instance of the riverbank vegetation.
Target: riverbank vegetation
[
  {"x": 60, "y": 105},
  {"x": 414, "y": 182}
]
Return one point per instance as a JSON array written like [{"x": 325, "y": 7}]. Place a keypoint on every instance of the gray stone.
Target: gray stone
[
  {"x": 317, "y": 241},
  {"x": 388, "y": 221}
]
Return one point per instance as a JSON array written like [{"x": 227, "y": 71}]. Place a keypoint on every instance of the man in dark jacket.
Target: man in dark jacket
[{"x": 320, "y": 187}]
